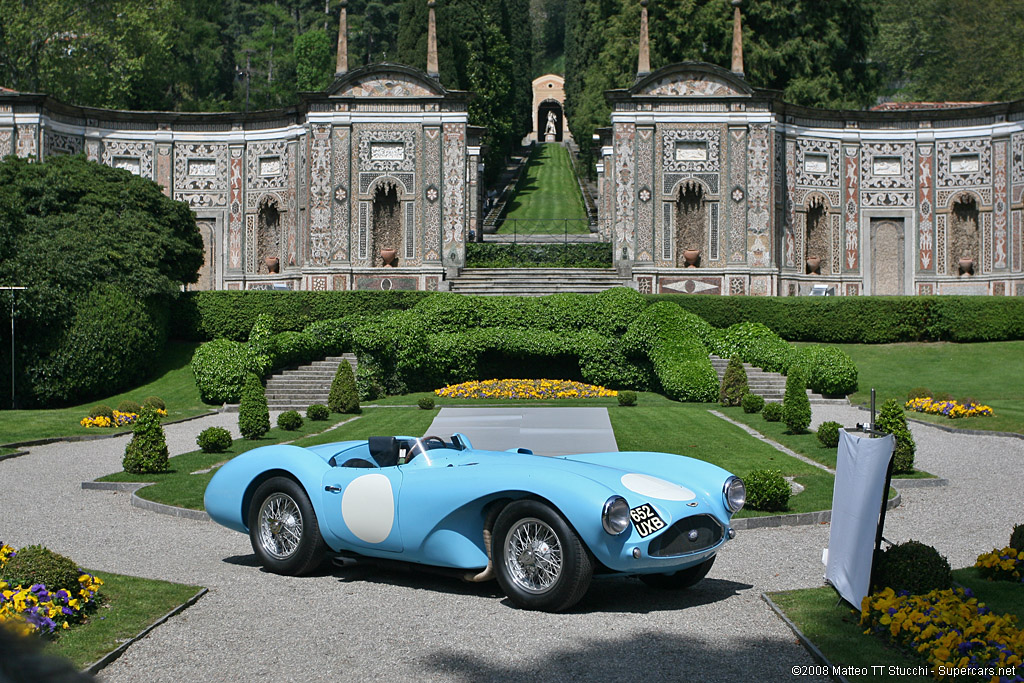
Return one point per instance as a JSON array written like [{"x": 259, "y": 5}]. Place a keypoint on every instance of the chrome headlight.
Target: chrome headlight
[
  {"x": 615, "y": 515},
  {"x": 735, "y": 494}
]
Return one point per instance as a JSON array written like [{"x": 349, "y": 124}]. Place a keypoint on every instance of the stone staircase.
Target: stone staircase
[
  {"x": 537, "y": 281},
  {"x": 769, "y": 385},
  {"x": 298, "y": 388}
]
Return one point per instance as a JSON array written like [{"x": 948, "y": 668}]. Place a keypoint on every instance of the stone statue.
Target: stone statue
[{"x": 550, "y": 128}]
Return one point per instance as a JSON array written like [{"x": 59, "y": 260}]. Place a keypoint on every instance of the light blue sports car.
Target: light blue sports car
[{"x": 542, "y": 526}]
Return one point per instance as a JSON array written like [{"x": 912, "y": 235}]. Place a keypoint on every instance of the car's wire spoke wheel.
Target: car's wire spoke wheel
[
  {"x": 280, "y": 526},
  {"x": 533, "y": 555}
]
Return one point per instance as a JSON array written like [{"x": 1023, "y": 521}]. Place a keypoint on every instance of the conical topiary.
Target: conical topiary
[
  {"x": 734, "y": 383},
  {"x": 147, "y": 451},
  {"x": 253, "y": 415},
  {"x": 796, "y": 407},
  {"x": 892, "y": 420},
  {"x": 344, "y": 396}
]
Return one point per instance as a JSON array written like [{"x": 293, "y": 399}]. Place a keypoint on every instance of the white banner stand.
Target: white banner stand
[{"x": 862, "y": 465}]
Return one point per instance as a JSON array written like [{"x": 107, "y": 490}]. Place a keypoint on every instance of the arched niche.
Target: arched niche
[
  {"x": 691, "y": 219},
  {"x": 386, "y": 222},
  {"x": 964, "y": 243},
  {"x": 268, "y": 236},
  {"x": 550, "y": 110},
  {"x": 818, "y": 243}
]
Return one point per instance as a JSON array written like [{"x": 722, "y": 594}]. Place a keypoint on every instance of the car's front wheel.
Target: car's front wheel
[
  {"x": 283, "y": 528},
  {"x": 684, "y": 578},
  {"x": 539, "y": 560}
]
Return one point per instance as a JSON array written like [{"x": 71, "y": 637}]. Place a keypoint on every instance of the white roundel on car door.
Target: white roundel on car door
[
  {"x": 368, "y": 508},
  {"x": 653, "y": 487}
]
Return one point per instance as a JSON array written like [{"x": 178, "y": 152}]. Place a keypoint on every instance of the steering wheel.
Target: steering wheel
[{"x": 418, "y": 447}]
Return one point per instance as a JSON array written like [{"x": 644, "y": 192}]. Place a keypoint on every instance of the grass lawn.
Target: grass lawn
[
  {"x": 182, "y": 488},
  {"x": 132, "y": 604},
  {"x": 991, "y": 372},
  {"x": 689, "y": 429},
  {"x": 805, "y": 444},
  {"x": 547, "y": 190},
  {"x": 172, "y": 381},
  {"x": 836, "y": 631}
]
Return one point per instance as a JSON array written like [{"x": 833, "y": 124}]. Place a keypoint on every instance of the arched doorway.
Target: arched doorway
[
  {"x": 387, "y": 224},
  {"x": 549, "y": 118}
]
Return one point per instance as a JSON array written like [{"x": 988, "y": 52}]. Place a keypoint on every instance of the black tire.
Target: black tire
[
  {"x": 540, "y": 562},
  {"x": 684, "y": 578},
  {"x": 283, "y": 529}
]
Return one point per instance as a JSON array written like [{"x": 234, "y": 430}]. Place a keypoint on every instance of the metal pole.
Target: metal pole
[{"x": 12, "y": 290}]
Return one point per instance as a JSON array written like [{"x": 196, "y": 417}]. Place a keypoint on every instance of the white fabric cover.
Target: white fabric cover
[{"x": 856, "y": 502}]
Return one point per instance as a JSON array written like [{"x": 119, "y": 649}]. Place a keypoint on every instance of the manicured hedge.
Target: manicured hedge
[
  {"x": 572, "y": 255},
  {"x": 866, "y": 319},
  {"x": 198, "y": 316},
  {"x": 664, "y": 334}
]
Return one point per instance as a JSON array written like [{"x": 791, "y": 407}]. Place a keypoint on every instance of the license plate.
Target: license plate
[{"x": 646, "y": 520}]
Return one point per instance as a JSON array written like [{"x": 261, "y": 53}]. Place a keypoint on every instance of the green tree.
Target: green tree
[
  {"x": 344, "y": 397},
  {"x": 313, "y": 65},
  {"x": 146, "y": 453},
  {"x": 796, "y": 407},
  {"x": 734, "y": 383},
  {"x": 253, "y": 415},
  {"x": 892, "y": 419}
]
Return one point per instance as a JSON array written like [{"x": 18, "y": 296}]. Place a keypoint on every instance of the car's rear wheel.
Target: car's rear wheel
[
  {"x": 539, "y": 560},
  {"x": 684, "y": 578},
  {"x": 283, "y": 528}
]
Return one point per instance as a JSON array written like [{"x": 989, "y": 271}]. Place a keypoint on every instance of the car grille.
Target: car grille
[{"x": 675, "y": 540}]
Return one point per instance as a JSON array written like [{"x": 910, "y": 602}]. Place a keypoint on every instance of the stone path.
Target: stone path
[{"x": 364, "y": 623}]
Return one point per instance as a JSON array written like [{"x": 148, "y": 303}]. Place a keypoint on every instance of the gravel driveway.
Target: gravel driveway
[{"x": 364, "y": 623}]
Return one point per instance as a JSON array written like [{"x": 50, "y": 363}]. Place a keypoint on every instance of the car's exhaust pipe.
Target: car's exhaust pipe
[{"x": 488, "y": 573}]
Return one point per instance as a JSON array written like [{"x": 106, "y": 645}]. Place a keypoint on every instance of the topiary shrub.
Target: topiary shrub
[
  {"x": 828, "y": 434},
  {"x": 289, "y": 420},
  {"x": 129, "y": 406},
  {"x": 37, "y": 564},
  {"x": 772, "y": 412},
  {"x": 344, "y": 397},
  {"x": 919, "y": 392},
  {"x": 767, "y": 490},
  {"x": 796, "y": 407},
  {"x": 214, "y": 440},
  {"x": 892, "y": 420},
  {"x": 154, "y": 403},
  {"x": 1017, "y": 538},
  {"x": 253, "y": 415},
  {"x": 734, "y": 383},
  {"x": 752, "y": 403},
  {"x": 627, "y": 397},
  {"x": 828, "y": 370},
  {"x": 318, "y": 412},
  {"x": 146, "y": 453},
  {"x": 913, "y": 567},
  {"x": 426, "y": 403},
  {"x": 102, "y": 410},
  {"x": 219, "y": 367}
]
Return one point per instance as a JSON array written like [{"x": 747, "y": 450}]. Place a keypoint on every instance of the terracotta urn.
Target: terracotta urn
[
  {"x": 388, "y": 256},
  {"x": 966, "y": 266},
  {"x": 813, "y": 264},
  {"x": 273, "y": 264},
  {"x": 692, "y": 257}
]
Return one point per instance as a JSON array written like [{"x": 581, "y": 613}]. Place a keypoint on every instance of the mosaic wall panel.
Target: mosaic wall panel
[
  {"x": 645, "y": 284},
  {"x": 410, "y": 229},
  {"x": 887, "y": 174},
  {"x": 363, "y": 230},
  {"x": 738, "y": 200},
  {"x": 235, "y": 183},
  {"x": 697, "y": 150},
  {"x": 759, "y": 196},
  {"x": 60, "y": 143},
  {"x": 92, "y": 150},
  {"x": 1017, "y": 244},
  {"x": 27, "y": 142},
  {"x": 998, "y": 289},
  {"x": 737, "y": 286},
  {"x": 250, "y": 244},
  {"x": 986, "y": 242},
  {"x": 999, "y": 230},
  {"x": 671, "y": 181},
  {"x": 690, "y": 285},
  {"x": 1017, "y": 173},
  {"x": 268, "y": 165},
  {"x": 320, "y": 241},
  {"x": 714, "y": 240},
  {"x": 668, "y": 229},
  {"x": 925, "y": 204},
  {"x": 817, "y": 163},
  {"x": 623, "y": 180},
  {"x": 6, "y": 148},
  {"x": 645, "y": 181},
  {"x": 851, "y": 211},
  {"x": 164, "y": 163},
  {"x": 200, "y": 174},
  {"x": 926, "y": 289},
  {"x": 788, "y": 235},
  {"x": 406, "y": 180},
  {"x": 697, "y": 85},
  {"x": 339, "y": 282},
  {"x": 384, "y": 284},
  {"x": 760, "y": 286},
  {"x": 142, "y": 152},
  {"x": 432, "y": 180},
  {"x": 342, "y": 205},
  {"x": 376, "y": 155},
  {"x": 318, "y": 283},
  {"x": 964, "y": 163},
  {"x": 837, "y": 243},
  {"x": 941, "y": 223},
  {"x": 290, "y": 218},
  {"x": 453, "y": 196}
]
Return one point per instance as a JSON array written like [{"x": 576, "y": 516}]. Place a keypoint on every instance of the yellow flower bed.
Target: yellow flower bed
[
  {"x": 950, "y": 409},
  {"x": 34, "y": 609},
  {"x": 524, "y": 388},
  {"x": 119, "y": 420},
  {"x": 950, "y": 629},
  {"x": 1002, "y": 565}
]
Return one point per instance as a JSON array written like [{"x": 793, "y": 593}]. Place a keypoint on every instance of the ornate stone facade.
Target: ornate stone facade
[
  {"x": 786, "y": 197},
  {"x": 286, "y": 199}
]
